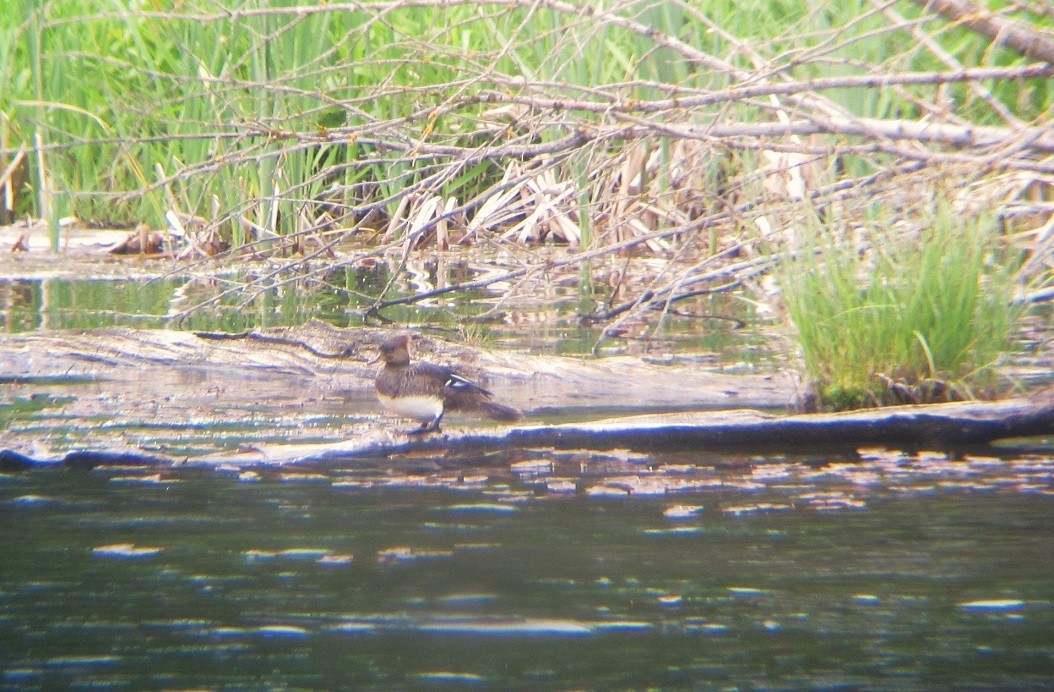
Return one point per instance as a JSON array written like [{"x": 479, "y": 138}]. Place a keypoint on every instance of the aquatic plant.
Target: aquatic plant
[{"x": 895, "y": 312}]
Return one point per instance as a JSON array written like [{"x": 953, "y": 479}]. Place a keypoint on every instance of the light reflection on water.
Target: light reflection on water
[
  {"x": 303, "y": 579},
  {"x": 544, "y": 322}
]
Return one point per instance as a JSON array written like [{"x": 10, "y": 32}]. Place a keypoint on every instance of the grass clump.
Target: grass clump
[{"x": 920, "y": 313}]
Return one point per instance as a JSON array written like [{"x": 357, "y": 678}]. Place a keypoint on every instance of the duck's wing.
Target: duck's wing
[
  {"x": 463, "y": 385},
  {"x": 462, "y": 394},
  {"x": 453, "y": 384}
]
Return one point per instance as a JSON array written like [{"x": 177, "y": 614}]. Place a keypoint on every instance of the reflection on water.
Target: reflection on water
[
  {"x": 547, "y": 320},
  {"x": 343, "y": 576}
]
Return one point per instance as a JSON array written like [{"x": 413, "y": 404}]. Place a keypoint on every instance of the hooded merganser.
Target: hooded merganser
[{"x": 424, "y": 391}]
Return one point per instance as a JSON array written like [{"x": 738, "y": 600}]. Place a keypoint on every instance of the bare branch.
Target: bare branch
[{"x": 1005, "y": 32}]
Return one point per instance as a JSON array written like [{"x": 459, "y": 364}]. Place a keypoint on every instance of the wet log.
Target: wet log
[
  {"x": 942, "y": 427},
  {"x": 949, "y": 428}
]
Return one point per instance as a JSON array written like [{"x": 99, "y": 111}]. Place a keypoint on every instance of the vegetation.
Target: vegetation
[
  {"x": 242, "y": 116},
  {"x": 328, "y": 135},
  {"x": 921, "y": 314}
]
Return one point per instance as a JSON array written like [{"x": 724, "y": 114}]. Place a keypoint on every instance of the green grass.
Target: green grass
[
  {"x": 215, "y": 115},
  {"x": 928, "y": 304}
]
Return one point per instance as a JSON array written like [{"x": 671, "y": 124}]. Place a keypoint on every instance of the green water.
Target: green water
[{"x": 334, "y": 579}]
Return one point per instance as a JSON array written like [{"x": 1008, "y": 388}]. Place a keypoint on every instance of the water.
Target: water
[
  {"x": 546, "y": 321},
  {"x": 373, "y": 575},
  {"x": 562, "y": 571}
]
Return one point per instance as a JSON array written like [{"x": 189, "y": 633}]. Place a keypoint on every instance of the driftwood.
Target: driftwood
[{"x": 124, "y": 394}]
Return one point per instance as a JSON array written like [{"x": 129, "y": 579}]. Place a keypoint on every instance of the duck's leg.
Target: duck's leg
[
  {"x": 434, "y": 425},
  {"x": 431, "y": 426}
]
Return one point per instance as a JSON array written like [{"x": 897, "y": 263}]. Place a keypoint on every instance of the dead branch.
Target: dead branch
[
  {"x": 662, "y": 295},
  {"x": 698, "y": 99},
  {"x": 646, "y": 166},
  {"x": 945, "y": 57},
  {"x": 1004, "y": 32}
]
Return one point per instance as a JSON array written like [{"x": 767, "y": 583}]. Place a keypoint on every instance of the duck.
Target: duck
[{"x": 425, "y": 392}]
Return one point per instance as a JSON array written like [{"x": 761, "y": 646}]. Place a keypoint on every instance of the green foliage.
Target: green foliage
[
  {"x": 213, "y": 109},
  {"x": 932, "y": 304}
]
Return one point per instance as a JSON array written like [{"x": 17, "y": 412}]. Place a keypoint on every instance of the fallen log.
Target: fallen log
[{"x": 939, "y": 427}]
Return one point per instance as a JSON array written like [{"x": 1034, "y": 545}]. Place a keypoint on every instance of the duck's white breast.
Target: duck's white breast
[{"x": 417, "y": 407}]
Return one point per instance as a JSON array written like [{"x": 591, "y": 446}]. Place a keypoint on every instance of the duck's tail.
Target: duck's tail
[{"x": 499, "y": 412}]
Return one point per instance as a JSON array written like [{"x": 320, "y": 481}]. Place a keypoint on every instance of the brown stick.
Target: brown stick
[{"x": 1004, "y": 32}]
